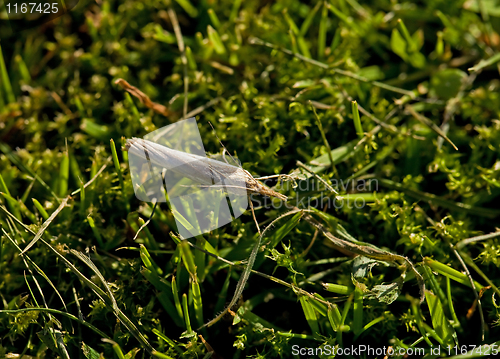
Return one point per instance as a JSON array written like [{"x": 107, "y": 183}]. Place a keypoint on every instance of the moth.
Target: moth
[
  {"x": 204, "y": 170},
  {"x": 204, "y": 193}
]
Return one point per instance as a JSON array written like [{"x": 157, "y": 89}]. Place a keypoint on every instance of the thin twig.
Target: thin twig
[
  {"x": 467, "y": 241},
  {"x": 147, "y": 222},
  {"x": 143, "y": 98},
  {"x": 93, "y": 178},
  {"x": 45, "y": 224},
  {"x": 202, "y": 108},
  {"x": 429, "y": 124}
]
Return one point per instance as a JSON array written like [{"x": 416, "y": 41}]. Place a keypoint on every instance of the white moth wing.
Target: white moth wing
[{"x": 204, "y": 193}]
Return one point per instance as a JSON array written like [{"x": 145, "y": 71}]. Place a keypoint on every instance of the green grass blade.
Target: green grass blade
[
  {"x": 338, "y": 288},
  {"x": 95, "y": 230},
  {"x": 164, "y": 296},
  {"x": 93, "y": 129},
  {"x": 27, "y": 192},
  {"x": 89, "y": 352},
  {"x": 117, "y": 349},
  {"x": 3, "y": 186},
  {"x": 64, "y": 175},
  {"x": 320, "y": 307},
  {"x": 148, "y": 261},
  {"x": 334, "y": 317},
  {"x": 161, "y": 355},
  {"x": 296, "y": 336},
  {"x": 13, "y": 205},
  {"x": 197, "y": 302},
  {"x": 188, "y": 258},
  {"x": 308, "y": 20},
  {"x": 411, "y": 46},
  {"x": 169, "y": 341},
  {"x": 188, "y": 7},
  {"x": 371, "y": 324},
  {"x": 440, "y": 323},
  {"x": 456, "y": 322},
  {"x": 26, "y": 212},
  {"x": 83, "y": 204},
  {"x": 235, "y": 9},
  {"x": 357, "y": 120},
  {"x": 74, "y": 166},
  {"x": 214, "y": 19},
  {"x": 293, "y": 26},
  {"x": 343, "y": 327},
  {"x": 170, "y": 308},
  {"x": 357, "y": 323},
  {"x": 189, "y": 331},
  {"x": 310, "y": 314},
  {"x": 7, "y": 87},
  {"x": 336, "y": 40},
  {"x": 190, "y": 59},
  {"x": 304, "y": 48},
  {"x": 449, "y": 272},
  {"x": 116, "y": 162},
  {"x": 130, "y": 102},
  {"x": 293, "y": 41},
  {"x": 420, "y": 324},
  {"x": 216, "y": 41},
  {"x": 175, "y": 293},
  {"x": 434, "y": 284},
  {"x": 200, "y": 258},
  {"x": 485, "y": 63},
  {"x": 160, "y": 284},
  {"x": 322, "y": 32}
]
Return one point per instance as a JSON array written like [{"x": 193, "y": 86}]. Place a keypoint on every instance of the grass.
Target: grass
[{"x": 386, "y": 111}]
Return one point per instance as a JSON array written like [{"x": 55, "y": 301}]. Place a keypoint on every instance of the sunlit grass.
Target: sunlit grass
[{"x": 398, "y": 95}]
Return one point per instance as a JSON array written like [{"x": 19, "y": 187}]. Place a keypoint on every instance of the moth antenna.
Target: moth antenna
[
  {"x": 218, "y": 139},
  {"x": 224, "y": 155}
]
